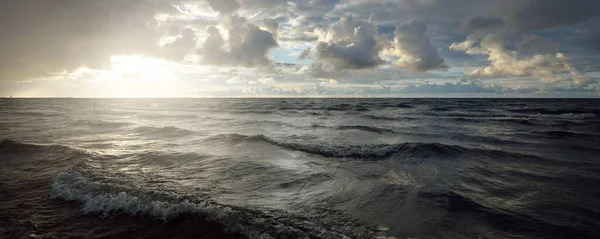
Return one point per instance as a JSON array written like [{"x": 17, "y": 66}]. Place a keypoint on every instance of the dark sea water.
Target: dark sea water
[{"x": 299, "y": 168}]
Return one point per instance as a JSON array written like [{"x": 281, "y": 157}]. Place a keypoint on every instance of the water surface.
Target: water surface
[{"x": 290, "y": 168}]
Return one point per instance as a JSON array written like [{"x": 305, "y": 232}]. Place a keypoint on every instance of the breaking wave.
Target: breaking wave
[{"x": 108, "y": 199}]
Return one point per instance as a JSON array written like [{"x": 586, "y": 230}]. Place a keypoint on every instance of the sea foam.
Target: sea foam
[{"x": 106, "y": 200}]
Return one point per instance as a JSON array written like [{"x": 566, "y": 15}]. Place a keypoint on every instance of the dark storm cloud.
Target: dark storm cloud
[
  {"x": 522, "y": 15},
  {"x": 536, "y": 44},
  {"x": 393, "y": 12},
  {"x": 39, "y": 37},
  {"x": 474, "y": 23}
]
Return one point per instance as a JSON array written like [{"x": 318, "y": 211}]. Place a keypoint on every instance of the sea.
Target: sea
[{"x": 299, "y": 168}]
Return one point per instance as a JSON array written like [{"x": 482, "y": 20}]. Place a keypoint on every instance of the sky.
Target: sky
[{"x": 312, "y": 48}]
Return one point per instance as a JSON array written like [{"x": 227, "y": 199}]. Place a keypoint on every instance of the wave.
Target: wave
[
  {"x": 522, "y": 223},
  {"x": 578, "y": 116},
  {"x": 345, "y": 107},
  {"x": 565, "y": 134},
  {"x": 38, "y": 161},
  {"x": 166, "y": 131},
  {"x": 451, "y": 202},
  {"x": 381, "y": 117},
  {"x": 557, "y": 112},
  {"x": 161, "y": 116},
  {"x": 108, "y": 199},
  {"x": 469, "y": 120},
  {"x": 372, "y": 129},
  {"x": 101, "y": 123},
  {"x": 388, "y": 105},
  {"x": 375, "y": 151},
  {"x": 405, "y": 106},
  {"x": 12, "y": 145},
  {"x": 365, "y": 128},
  {"x": 536, "y": 122},
  {"x": 256, "y": 111},
  {"x": 40, "y": 114},
  {"x": 472, "y": 114}
]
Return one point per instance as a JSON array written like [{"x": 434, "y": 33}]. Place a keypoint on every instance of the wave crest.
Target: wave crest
[
  {"x": 372, "y": 129},
  {"x": 106, "y": 199},
  {"x": 166, "y": 131},
  {"x": 371, "y": 151}
]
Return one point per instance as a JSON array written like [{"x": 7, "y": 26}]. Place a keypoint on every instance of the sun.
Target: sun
[
  {"x": 140, "y": 76},
  {"x": 140, "y": 68}
]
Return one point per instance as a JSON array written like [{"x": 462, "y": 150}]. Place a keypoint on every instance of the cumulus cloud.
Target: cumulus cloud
[
  {"x": 355, "y": 44},
  {"x": 349, "y": 44},
  {"x": 413, "y": 48},
  {"x": 507, "y": 63},
  {"x": 246, "y": 46},
  {"x": 534, "y": 56}
]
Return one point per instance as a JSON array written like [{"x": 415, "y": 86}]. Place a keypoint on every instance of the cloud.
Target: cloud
[
  {"x": 522, "y": 15},
  {"x": 413, "y": 48},
  {"x": 224, "y": 6},
  {"x": 182, "y": 46},
  {"x": 251, "y": 80},
  {"x": 349, "y": 44},
  {"x": 305, "y": 53},
  {"x": 474, "y": 23},
  {"x": 246, "y": 46},
  {"x": 448, "y": 88},
  {"x": 354, "y": 44},
  {"x": 40, "y": 37},
  {"x": 272, "y": 26},
  {"x": 313, "y": 7},
  {"x": 536, "y": 44},
  {"x": 506, "y": 63}
]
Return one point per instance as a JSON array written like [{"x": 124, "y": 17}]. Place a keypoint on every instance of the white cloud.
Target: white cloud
[
  {"x": 413, "y": 48},
  {"x": 507, "y": 63},
  {"x": 349, "y": 44}
]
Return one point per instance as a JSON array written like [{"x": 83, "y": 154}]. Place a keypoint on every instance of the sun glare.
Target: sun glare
[{"x": 138, "y": 76}]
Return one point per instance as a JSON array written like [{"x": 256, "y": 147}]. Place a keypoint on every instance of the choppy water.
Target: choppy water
[{"x": 294, "y": 168}]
